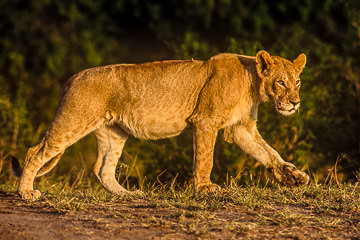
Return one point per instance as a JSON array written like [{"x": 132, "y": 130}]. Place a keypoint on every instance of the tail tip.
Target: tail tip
[{"x": 15, "y": 166}]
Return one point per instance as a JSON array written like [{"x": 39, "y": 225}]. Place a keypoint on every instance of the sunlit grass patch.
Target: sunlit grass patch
[{"x": 62, "y": 197}]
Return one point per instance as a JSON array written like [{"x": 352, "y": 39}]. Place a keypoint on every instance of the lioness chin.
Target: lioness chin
[{"x": 159, "y": 100}]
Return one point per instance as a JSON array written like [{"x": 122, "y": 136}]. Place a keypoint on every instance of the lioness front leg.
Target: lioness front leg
[
  {"x": 252, "y": 143},
  {"x": 204, "y": 143}
]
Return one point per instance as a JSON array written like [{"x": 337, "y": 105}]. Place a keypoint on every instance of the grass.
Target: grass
[
  {"x": 311, "y": 211},
  {"x": 330, "y": 209},
  {"x": 319, "y": 197}
]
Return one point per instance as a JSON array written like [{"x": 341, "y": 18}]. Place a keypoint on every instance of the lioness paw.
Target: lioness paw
[
  {"x": 136, "y": 193},
  {"x": 289, "y": 175},
  {"x": 31, "y": 195},
  {"x": 208, "y": 188}
]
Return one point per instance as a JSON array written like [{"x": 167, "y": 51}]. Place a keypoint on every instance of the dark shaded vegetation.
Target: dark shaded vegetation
[{"x": 44, "y": 42}]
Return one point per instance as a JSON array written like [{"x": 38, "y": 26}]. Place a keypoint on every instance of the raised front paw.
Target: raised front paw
[
  {"x": 30, "y": 194},
  {"x": 289, "y": 175},
  {"x": 207, "y": 188}
]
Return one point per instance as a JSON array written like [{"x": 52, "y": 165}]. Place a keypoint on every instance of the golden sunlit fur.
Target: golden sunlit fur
[{"x": 159, "y": 100}]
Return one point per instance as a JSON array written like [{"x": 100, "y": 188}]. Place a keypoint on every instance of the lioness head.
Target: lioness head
[{"x": 280, "y": 80}]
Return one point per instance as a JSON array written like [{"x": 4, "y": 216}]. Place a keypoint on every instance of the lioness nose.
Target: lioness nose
[{"x": 294, "y": 102}]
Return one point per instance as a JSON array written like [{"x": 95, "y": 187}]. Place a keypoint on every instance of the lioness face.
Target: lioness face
[
  {"x": 281, "y": 80},
  {"x": 285, "y": 87}
]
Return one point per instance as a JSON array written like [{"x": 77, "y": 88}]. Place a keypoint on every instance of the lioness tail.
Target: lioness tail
[{"x": 15, "y": 166}]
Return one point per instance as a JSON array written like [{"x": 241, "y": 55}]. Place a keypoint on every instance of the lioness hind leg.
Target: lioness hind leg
[
  {"x": 110, "y": 143},
  {"x": 57, "y": 139},
  {"x": 34, "y": 161}
]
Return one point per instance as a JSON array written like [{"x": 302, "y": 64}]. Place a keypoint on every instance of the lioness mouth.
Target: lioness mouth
[{"x": 286, "y": 112}]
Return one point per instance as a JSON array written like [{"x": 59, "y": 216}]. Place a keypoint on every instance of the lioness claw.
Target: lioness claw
[{"x": 289, "y": 175}]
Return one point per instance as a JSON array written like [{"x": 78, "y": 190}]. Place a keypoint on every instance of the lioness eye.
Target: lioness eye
[{"x": 281, "y": 83}]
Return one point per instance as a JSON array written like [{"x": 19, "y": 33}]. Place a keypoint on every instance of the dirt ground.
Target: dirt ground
[{"x": 140, "y": 219}]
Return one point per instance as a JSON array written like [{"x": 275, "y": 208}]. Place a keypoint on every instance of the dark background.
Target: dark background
[{"x": 44, "y": 42}]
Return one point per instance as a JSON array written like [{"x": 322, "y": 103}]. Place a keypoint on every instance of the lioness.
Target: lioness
[{"x": 159, "y": 100}]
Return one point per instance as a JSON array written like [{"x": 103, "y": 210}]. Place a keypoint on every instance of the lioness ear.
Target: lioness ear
[
  {"x": 299, "y": 63},
  {"x": 264, "y": 63}
]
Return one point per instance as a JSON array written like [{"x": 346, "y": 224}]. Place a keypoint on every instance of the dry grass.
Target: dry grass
[
  {"x": 319, "y": 197},
  {"x": 329, "y": 210}
]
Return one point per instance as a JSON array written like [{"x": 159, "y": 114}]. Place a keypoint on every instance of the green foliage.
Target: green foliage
[{"x": 44, "y": 42}]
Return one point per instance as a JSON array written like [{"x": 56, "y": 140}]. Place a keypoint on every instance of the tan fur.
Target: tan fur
[{"x": 159, "y": 99}]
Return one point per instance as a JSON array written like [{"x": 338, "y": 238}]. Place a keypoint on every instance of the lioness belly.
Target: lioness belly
[{"x": 153, "y": 125}]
